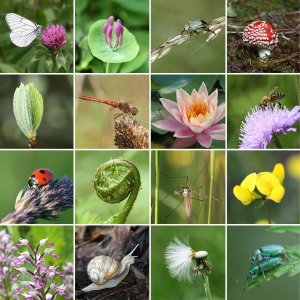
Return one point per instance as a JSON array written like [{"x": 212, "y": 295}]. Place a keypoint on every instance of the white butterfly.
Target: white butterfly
[{"x": 23, "y": 31}]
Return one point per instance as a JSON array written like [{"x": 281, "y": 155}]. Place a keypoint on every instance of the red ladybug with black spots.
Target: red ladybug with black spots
[{"x": 40, "y": 177}]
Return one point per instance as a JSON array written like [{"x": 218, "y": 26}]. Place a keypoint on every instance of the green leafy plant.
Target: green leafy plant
[{"x": 28, "y": 110}]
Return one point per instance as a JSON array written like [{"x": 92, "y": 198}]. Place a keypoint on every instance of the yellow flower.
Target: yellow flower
[
  {"x": 268, "y": 184},
  {"x": 293, "y": 166},
  {"x": 245, "y": 192}
]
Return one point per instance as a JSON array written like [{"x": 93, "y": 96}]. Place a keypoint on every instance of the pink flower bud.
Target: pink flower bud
[{"x": 119, "y": 29}]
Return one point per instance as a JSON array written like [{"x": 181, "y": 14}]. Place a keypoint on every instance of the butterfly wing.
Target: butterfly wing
[{"x": 23, "y": 31}]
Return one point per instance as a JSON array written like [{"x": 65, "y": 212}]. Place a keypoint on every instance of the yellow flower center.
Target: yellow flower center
[{"x": 197, "y": 108}]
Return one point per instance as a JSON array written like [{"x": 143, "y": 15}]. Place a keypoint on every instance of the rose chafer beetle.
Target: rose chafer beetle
[
  {"x": 267, "y": 252},
  {"x": 264, "y": 266}
]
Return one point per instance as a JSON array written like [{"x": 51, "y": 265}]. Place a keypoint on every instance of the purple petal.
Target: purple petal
[
  {"x": 204, "y": 140},
  {"x": 167, "y": 125},
  {"x": 184, "y": 143}
]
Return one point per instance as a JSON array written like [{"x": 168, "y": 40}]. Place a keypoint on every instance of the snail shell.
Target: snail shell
[{"x": 107, "y": 272}]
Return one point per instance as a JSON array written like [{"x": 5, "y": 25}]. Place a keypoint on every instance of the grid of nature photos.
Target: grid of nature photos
[{"x": 149, "y": 149}]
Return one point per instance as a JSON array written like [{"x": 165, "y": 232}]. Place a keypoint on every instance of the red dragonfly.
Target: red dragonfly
[{"x": 123, "y": 106}]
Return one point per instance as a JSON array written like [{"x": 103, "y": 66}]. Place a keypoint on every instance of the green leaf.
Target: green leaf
[
  {"x": 28, "y": 109},
  {"x": 282, "y": 229},
  {"x": 49, "y": 63},
  {"x": 100, "y": 49},
  {"x": 290, "y": 267}
]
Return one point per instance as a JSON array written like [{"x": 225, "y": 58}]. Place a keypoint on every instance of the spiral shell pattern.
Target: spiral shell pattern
[{"x": 102, "y": 268}]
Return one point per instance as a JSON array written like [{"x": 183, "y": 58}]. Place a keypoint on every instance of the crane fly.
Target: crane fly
[
  {"x": 122, "y": 106},
  {"x": 188, "y": 194}
]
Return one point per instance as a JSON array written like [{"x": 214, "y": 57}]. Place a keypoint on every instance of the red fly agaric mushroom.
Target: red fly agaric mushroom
[{"x": 262, "y": 35}]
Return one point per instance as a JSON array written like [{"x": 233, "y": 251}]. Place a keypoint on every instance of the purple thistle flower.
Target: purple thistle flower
[
  {"x": 54, "y": 37},
  {"x": 108, "y": 29},
  {"x": 261, "y": 125}
]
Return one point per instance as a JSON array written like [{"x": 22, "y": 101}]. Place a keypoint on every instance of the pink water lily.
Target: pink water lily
[{"x": 194, "y": 118}]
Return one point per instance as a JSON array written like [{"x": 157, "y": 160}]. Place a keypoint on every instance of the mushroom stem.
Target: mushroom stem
[{"x": 264, "y": 53}]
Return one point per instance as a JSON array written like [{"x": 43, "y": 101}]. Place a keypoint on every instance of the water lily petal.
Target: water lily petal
[
  {"x": 183, "y": 132},
  {"x": 172, "y": 109},
  {"x": 167, "y": 125},
  {"x": 203, "y": 89},
  {"x": 195, "y": 96},
  {"x": 204, "y": 140},
  {"x": 183, "y": 99},
  {"x": 217, "y": 132},
  {"x": 278, "y": 171},
  {"x": 220, "y": 113},
  {"x": 213, "y": 99},
  {"x": 184, "y": 143}
]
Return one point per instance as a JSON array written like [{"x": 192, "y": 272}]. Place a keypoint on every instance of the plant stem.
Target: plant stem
[
  {"x": 206, "y": 287},
  {"x": 211, "y": 184},
  {"x": 107, "y": 68},
  {"x": 156, "y": 187},
  {"x": 267, "y": 209},
  {"x": 277, "y": 142}
]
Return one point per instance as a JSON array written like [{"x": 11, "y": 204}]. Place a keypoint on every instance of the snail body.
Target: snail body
[{"x": 107, "y": 272}]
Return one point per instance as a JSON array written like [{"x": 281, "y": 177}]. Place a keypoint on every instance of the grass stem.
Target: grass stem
[
  {"x": 206, "y": 287},
  {"x": 211, "y": 184},
  {"x": 156, "y": 187}
]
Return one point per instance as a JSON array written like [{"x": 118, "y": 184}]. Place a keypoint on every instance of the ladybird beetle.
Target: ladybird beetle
[{"x": 40, "y": 177}]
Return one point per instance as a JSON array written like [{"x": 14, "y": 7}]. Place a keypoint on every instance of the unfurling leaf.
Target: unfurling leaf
[{"x": 28, "y": 109}]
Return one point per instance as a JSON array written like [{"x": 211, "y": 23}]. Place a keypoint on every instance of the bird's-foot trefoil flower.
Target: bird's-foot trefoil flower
[
  {"x": 264, "y": 185},
  {"x": 108, "y": 28},
  {"x": 194, "y": 118},
  {"x": 54, "y": 37},
  {"x": 262, "y": 125}
]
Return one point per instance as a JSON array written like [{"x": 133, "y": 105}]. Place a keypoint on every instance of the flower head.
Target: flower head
[
  {"x": 194, "y": 118},
  {"x": 260, "y": 126},
  {"x": 108, "y": 29},
  {"x": 180, "y": 260},
  {"x": 54, "y": 37},
  {"x": 268, "y": 186}
]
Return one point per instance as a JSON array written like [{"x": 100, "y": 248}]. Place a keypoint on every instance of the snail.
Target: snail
[{"x": 107, "y": 272}]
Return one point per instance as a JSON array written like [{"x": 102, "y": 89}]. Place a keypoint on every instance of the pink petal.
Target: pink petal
[
  {"x": 167, "y": 125},
  {"x": 203, "y": 89},
  {"x": 195, "y": 96},
  {"x": 213, "y": 99},
  {"x": 183, "y": 99},
  {"x": 172, "y": 108},
  {"x": 217, "y": 132},
  {"x": 183, "y": 132},
  {"x": 184, "y": 143},
  {"x": 204, "y": 140},
  {"x": 220, "y": 113}
]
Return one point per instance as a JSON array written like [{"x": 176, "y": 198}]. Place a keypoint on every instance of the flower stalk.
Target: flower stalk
[{"x": 206, "y": 286}]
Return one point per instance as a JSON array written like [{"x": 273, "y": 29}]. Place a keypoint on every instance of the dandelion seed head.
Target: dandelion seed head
[{"x": 179, "y": 259}]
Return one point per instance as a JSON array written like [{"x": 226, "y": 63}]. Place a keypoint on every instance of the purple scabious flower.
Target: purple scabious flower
[
  {"x": 261, "y": 125},
  {"x": 54, "y": 37}
]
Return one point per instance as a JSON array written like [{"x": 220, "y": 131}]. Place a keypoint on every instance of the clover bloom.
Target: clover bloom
[
  {"x": 194, "y": 118},
  {"x": 54, "y": 37},
  {"x": 268, "y": 186},
  {"x": 261, "y": 125}
]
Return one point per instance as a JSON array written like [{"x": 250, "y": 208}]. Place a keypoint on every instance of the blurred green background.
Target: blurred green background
[
  {"x": 56, "y": 128},
  {"x": 165, "y": 86},
  {"x": 210, "y": 239},
  {"x": 168, "y": 19},
  {"x": 246, "y": 91},
  {"x": 61, "y": 236},
  {"x": 95, "y": 121},
  {"x": 241, "y": 242},
  {"x": 242, "y": 163},
  {"x": 134, "y": 15},
  {"x": 91, "y": 209},
  {"x": 188, "y": 163},
  {"x": 43, "y": 12},
  {"x": 17, "y": 166}
]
